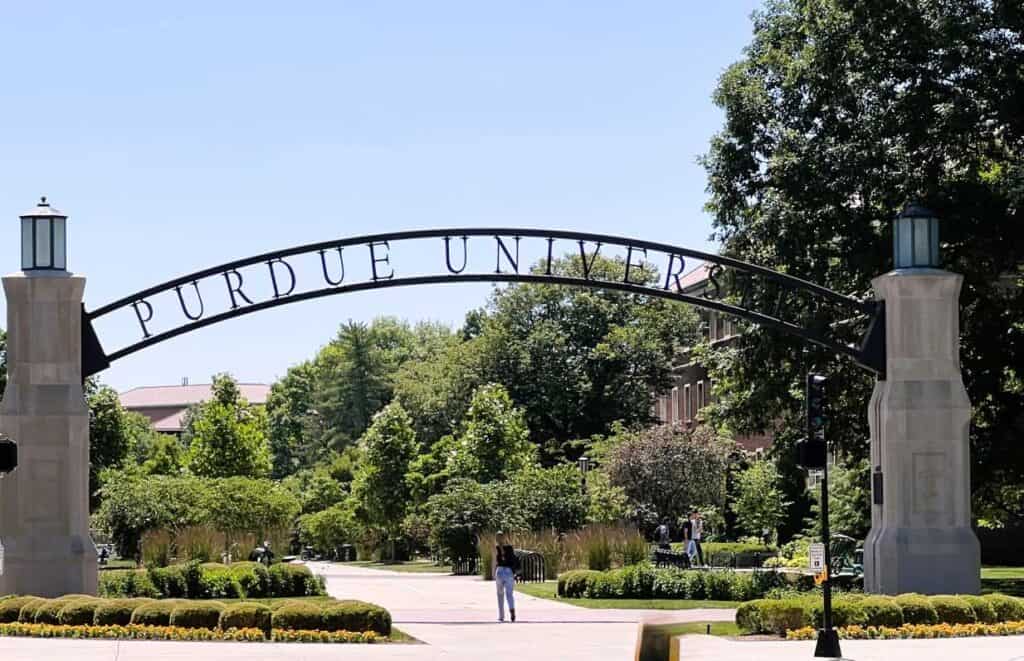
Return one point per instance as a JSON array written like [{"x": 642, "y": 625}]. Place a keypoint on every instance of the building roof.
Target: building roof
[
  {"x": 185, "y": 396},
  {"x": 694, "y": 278}
]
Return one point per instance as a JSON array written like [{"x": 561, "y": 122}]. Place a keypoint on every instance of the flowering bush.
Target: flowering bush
[
  {"x": 916, "y": 631},
  {"x": 142, "y": 632}
]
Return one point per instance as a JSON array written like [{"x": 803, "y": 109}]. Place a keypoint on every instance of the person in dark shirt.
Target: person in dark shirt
[
  {"x": 688, "y": 545},
  {"x": 505, "y": 565}
]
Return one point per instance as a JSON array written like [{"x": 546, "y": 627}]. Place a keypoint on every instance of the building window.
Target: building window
[
  {"x": 687, "y": 413},
  {"x": 700, "y": 395},
  {"x": 720, "y": 332},
  {"x": 675, "y": 405}
]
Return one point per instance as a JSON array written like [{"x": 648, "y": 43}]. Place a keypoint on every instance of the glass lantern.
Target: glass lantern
[
  {"x": 916, "y": 238},
  {"x": 44, "y": 239}
]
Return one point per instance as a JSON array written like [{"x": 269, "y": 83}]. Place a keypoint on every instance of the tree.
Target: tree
[
  {"x": 575, "y": 359},
  {"x": 380, "y": 487},
  {"x": 109, "y": 445},
  {"x": 758, "y": 503},
  {"x": 839, "y": 112},
  {"x": 551, "y": 497},
  {"x": 328, "y": 529},
  {"x": 666, "y": 470},
  {"x": 163, "y": 456},
  {"x": 465, "y": 509},
  {"x": 849, "y": 503},
  {"x": 315, "y": 488},
  {"x": 494, "y": 443},
  {"x": 292, "y": 421},
  {"x": 227, "y": 435}
]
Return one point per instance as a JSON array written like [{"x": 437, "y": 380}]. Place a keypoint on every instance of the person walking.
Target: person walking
[
  {"x": 698, "y": 531},
  {"x": 688, "y": 546},
  {"x": 505, "y": 565}
]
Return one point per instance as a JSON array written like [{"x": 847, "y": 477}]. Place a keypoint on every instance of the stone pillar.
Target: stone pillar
[
  {"x": 45, "y": 547},
  {"x": 921, "y": 538}
]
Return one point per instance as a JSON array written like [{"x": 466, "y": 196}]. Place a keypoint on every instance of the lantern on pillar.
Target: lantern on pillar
[
  {"x": 916, "y": 238},
  {"x": 44, "y": 244}
]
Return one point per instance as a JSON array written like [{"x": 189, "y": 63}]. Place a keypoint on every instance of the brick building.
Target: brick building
[{"x": 165, "y": 406}]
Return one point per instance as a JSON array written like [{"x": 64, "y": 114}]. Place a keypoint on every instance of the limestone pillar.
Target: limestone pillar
[
  {"x": 921, "y": 538},
  {"x": 45, "y": 547}
]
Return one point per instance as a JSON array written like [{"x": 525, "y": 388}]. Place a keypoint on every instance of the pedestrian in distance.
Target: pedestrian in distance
[
  {"x": 698, "y": 532},
  {"x": 688, "y": 547},
  {"x": 505, "y": 566},
  {"x": 663, "y": 535}
]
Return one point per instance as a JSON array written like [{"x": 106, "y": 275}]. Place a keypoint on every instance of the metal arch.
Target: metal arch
[{"x": 869, "y": 355}]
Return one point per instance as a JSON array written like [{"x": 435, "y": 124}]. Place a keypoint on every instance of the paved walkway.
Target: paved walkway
[{"x": 709, "y": 648}]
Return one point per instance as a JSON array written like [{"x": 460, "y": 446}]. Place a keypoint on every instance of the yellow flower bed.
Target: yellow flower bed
[
  {"x": 142, "y": 632},
  {"x": 916, "y": 631}
]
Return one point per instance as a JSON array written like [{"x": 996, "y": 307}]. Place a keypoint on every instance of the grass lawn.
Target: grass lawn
[
  {"x": 683, "y": 628},
  {"x": 410, "y": 566},
  {"x": 1002, "y": 572},
  {"x": 118, "y": 564},
  {"x": 548, "y": 590}
]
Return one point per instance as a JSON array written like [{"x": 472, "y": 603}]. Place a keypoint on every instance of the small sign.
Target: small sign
[{"x": 817, "y": 554}]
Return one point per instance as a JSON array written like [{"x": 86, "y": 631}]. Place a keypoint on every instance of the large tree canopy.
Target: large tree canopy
[{"x": 839, "y": 113}]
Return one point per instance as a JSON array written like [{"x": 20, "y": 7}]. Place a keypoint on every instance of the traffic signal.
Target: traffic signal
[
  {"x": 812, "y": 451},
  {"x": 8, "y": 455},
  {"x": 815, "y": 407}
]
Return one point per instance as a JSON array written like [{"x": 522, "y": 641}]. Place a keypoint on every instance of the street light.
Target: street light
[
  {"x": 915, "y": 238},
  {"x": 44, "y": 244}
]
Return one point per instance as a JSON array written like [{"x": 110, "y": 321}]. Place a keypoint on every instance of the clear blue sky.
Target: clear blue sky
[{"x": 186, "y": 135}]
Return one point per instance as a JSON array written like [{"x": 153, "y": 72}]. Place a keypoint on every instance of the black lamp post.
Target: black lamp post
[{"x": 584, "y": 465}]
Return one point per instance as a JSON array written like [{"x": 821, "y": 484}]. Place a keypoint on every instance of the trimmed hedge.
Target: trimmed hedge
[
  {"x": 246, "y": 616},
  {"x": 916, "y": 609},
  {"x": 155, "y": 613},
  {"x": 212, "y": 580},
  {"x": 28, "y": 610},
  {"x": 117, "y": 611},
  {"x": 953, "y": 610},
  {"x": 297, "y": 615},
  {"x": 353, "y": 615},
  {"x": 780, "y": 615},
  {"x": 197, "y": 615},
  {"x": 644, "y": 581},
  {"x": 982, "y": 608},
  {"x": 79, "y": 612},
  {"x": 10, "y": 608},
  {"x": 1008, "y": 609}
]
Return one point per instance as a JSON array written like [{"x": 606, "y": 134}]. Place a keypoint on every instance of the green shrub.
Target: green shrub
[
  {"x": 748, "y": 616},
  {"x": 916, "y": 609},
  {"x": 197, "y": 614},
  {"x": 10, "y": 608},
  {"x": 126, "y": 583},
  {"x": 669, "y": 583},
  {"x": 252, "y": 577},
  {"x": 297, "y": 615},
  {"x": 28, "y": 610},
  {"x": 881, "y": 612},
  {"x": 155, "y": 613},
  {"x": 638, "y": 580},
  {"x": 953, "y": 610},
  {"x": 117, "y": 611},
  {"x": 780, "y": 616},
  {"x": 845, "y": 612},
  {"x": 294, "y": 581},
  {"x": 356, "y": 616},
  {"x": 573, "y": 584},
  {"x": 178, "y": 581},
  {"x": 79, "y": 611},
  {"x": 982, "y": 609},
  {"x": 246, "y": 615},
  {"x": 606, "y": 585},
  {"x": 216, "y": 581},
  {"x": 1008, "y": 609}
]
